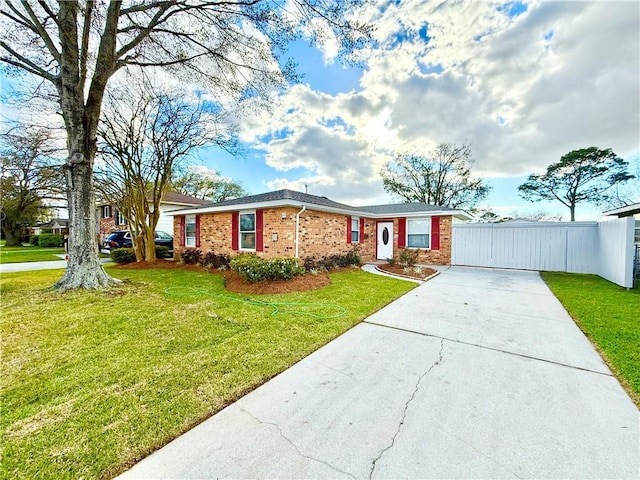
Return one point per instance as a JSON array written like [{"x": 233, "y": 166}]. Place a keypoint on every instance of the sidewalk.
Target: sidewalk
[{"x": 28, "y": 266}]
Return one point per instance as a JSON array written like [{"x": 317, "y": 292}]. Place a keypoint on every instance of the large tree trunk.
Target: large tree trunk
[
  {"x": 150, "y": 246},
  {"x": 572, "y": 208},
  {"x": 12, "y": 236},
  {"x": 144, "y": 245},
  {"x": 81, "y": 121},
  {"x": 138, "y": 247},
  {"x": 84, "y": 269},
  {"x": 150, "y": 230}
]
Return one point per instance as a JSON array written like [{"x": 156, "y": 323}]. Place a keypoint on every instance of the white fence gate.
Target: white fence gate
[{"x": 603, "y": 248}]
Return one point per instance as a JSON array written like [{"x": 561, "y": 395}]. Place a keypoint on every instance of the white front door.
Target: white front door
[{"x": 385, "y": 240}]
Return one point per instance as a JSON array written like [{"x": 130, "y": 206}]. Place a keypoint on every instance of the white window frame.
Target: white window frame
[
  {"x": 254, "y": 231},
  {"x": 429, "y": 232},
  {"x": 119, "y": 219},
  {"x": 107, "y": 208},
  {"x": 189, "y": 241},
  {"x": 355, "y": 221}
]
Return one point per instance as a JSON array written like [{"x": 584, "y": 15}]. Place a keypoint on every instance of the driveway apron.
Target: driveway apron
[{"x": 478, "y": 373}]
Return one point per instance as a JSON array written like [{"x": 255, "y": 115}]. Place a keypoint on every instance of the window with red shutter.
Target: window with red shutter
[{"x": 190, "y": 231}]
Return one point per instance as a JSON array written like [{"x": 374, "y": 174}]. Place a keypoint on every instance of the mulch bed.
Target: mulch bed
[
  {"x": 235, "y": 283},
  {"x": 303, "y": 283},
  {"x": 399, "y": 270}
]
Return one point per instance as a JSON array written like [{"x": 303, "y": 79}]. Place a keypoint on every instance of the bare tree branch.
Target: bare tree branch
[
  {"x": 443, "y": 178},
  {"x": 41, "y": 31},
  {"x": 231, "y": 47},
  {"x": 26, "y": 64}
]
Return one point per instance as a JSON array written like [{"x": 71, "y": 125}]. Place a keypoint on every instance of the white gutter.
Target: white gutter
[
  {"x": 304, "y": 207},
  {"x": 460, "y": 214},
  {"x": 354, "y": 211}
]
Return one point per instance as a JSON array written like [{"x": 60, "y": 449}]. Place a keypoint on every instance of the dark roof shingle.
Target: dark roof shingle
[
  {"x": 285, "y": 195},
  {"x": 396, "y": 208},
  {"x": 175, "y": 197},
  {"x": 305, "y": 198}
]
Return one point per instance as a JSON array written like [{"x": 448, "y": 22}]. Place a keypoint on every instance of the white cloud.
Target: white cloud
[
  {"x": 209, "y": 173},
  {"x": 523, "y": 90}
]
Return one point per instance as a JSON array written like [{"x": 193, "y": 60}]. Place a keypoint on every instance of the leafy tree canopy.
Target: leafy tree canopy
[
  {"x": 206, "y": 184},
  {"x": 30, "y": 175},
  {"x": 587, "y": 175}
]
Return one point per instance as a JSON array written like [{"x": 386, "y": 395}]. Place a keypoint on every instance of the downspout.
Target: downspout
[{"x": 298, "y": 227}]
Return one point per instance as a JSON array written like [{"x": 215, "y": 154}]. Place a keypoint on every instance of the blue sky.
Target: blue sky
[{"x": 523, "y": 83}]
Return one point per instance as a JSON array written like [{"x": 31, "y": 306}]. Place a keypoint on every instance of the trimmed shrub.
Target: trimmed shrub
[
  {"x": 123, "y": 255},
  {"x": 190, "y": 256},
  {"x": 352, "y": 258},
  {"x": 50, "y": 240},
  {"x": 34, "y": 240},
  {"x": 214, "y": 260},
  {"x": 409, "y": 257},
  {"x": 254, "y": 269},
  {"x": 329, "y": 262},
  {"x": 162, "y": 251}
]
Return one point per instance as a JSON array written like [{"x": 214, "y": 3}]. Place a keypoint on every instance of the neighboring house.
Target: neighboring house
[
  {"x": 110, "y": 219},
  {"x": 289, "y": 223},
  {"x": 55, "y": 225},
  {"x": 628, "y": 211}
]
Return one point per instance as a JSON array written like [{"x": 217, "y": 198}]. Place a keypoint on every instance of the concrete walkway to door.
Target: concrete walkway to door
[{"x": 477, "y": 373}]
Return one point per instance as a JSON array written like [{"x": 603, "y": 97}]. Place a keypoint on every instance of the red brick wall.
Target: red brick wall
[
  {"x": 324, "y": 233},
  {"x": 107, "y": 224},
  {"x": 435, "y": 257},
  {"x": 321, "y": 233}
]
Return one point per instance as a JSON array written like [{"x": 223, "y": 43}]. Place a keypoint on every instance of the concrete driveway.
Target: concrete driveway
[{"x": 477, "y": 373}]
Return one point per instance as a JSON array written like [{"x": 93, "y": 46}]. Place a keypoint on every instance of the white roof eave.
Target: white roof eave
[{"x": 459, "y": 214}]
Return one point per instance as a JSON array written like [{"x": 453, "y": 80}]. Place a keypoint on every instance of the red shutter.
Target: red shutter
[
  {"x": 197, "y": 231},
  {"x": 259, "y": 231},
  {"x": 435, "y": 233},
  {"x": 348, "y": 228},
  {"x": 402, "y": 232},
  {"x": 362, "y": 230},
  {"x": 235, "y": 216},
  {"x": 182, "y": 229}
]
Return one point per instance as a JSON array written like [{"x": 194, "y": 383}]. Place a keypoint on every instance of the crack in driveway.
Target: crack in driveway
[
  {"x": 494, "y": 349},
  {"x": 290, "y": 442},
  {"x": 404, "y": 413}
]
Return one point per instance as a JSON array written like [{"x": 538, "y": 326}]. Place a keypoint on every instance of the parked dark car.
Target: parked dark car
[{"x": 122, "y": 239}]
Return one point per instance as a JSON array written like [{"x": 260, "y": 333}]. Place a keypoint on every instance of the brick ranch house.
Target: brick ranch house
[{"x": 290, "y": 223}]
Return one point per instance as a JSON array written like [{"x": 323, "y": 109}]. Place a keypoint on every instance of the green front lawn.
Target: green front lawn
[
  {"x": 610, "y": 316},
  {"x": 93, "y": 381},
  {"x": 28, "y": 253}
]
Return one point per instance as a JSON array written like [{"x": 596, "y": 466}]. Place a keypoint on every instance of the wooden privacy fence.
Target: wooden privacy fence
[{"x": 603, "y": 248}]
